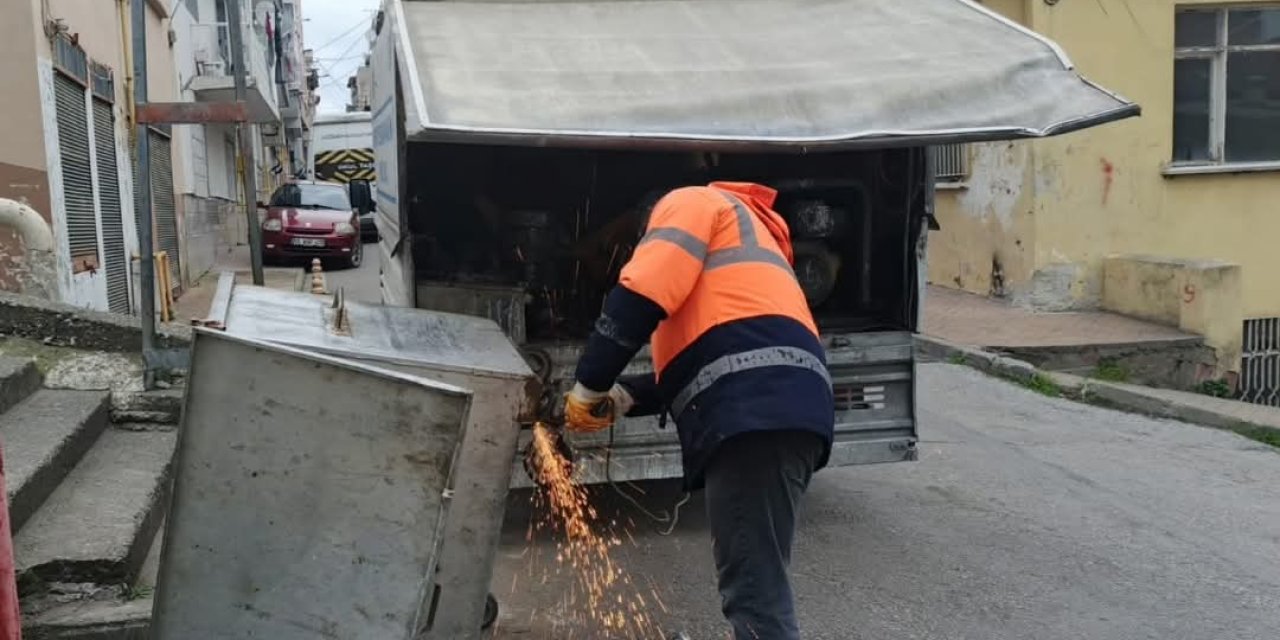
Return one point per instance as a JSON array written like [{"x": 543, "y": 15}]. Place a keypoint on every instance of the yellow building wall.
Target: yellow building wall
[
  {"x": 1102, "y": 191},
  {"x": 987, "y": 240}
]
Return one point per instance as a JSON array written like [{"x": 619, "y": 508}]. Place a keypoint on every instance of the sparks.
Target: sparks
[{"x": 601, "y": 590}]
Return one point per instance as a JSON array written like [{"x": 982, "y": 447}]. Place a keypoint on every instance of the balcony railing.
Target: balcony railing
[{"x": 211, "y": 44}]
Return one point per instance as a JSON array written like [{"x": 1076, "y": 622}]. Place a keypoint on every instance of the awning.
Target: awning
[{"x": 716, "y": 73}]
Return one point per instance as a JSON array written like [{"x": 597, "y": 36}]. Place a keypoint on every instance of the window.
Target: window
[
  {"x": 312, "y": 196},
  {"x": 1227, "y": 86},
  {"x": 951, "y": 163}
]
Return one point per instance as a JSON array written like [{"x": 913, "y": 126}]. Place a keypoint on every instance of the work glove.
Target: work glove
[
  {"x": 622, "y": 400},
  {"x": 588, "y": 411}
]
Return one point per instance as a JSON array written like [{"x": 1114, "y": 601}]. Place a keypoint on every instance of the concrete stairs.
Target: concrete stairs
[{"x": 86, "y": 500}]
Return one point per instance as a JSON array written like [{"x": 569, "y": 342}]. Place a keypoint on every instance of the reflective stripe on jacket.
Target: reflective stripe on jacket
[{"x": 712, "y": 255}]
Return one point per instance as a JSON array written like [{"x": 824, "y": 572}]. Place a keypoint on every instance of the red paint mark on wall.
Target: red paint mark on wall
[
  {"x": 1189, "y": 293},
  {"x": 1108, "y": 177}
]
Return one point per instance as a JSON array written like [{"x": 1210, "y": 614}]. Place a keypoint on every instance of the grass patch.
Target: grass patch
[
  {"x": 1261, "y": 434},
  {"x": 1043, "y": 385},
  {"x": 956, "y": 358},
  {"x": 1110, "y": 371},
  {"x": 1215, "y": 388},
  {"x": 138, "y": 592},
  {"x": 46, "y": 356}
]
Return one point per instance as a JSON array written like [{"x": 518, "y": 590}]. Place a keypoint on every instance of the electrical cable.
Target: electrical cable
[
  {"x": 669, "y": 518},
  {"x": 340, "y": 36}
]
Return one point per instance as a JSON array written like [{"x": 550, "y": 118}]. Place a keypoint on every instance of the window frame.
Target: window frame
[{"x": 1217, "y": 55}]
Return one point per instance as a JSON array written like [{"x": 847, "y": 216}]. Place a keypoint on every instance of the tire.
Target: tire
[
  {"x": 490, "y": 612},
  {"x": 357, "y": 256}
]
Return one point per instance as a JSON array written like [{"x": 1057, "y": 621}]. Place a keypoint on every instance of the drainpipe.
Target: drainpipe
[
  {"x": 128, "y": 65},
  {"x": 38, "y": 275}
]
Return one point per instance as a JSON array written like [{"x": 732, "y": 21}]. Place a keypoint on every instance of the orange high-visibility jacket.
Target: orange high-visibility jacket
[
  {"x": 734, "y": 345},
  {"x": 709, "y": 258}
]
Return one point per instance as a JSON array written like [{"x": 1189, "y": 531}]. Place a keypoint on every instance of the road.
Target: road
[
  {"x": 359, "y": 284},
  {"x": 1026, "y": 517}
]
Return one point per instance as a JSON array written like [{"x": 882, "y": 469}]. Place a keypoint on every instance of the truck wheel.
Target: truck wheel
[{"x": 490, "y": 611}]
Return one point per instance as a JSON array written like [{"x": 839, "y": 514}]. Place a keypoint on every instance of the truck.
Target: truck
[
  {"x": 342, "y": 152},
  {"x": 517, "y": 143},
  {"x": 342, "y": 147}
]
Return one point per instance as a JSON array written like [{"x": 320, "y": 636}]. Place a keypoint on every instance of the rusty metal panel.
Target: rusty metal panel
[
  {"x": 309, "y": 497},
  {"x": 192, "y": 112}
]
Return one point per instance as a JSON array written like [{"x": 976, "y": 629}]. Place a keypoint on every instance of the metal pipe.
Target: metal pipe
[
  {"x": 142, "y": 199},
  {"x": 245, "y": 136},
  {"x": 128, "y": 62},
  {"x": 38, "y": 274},
  {"x": 27, "y": 222}
]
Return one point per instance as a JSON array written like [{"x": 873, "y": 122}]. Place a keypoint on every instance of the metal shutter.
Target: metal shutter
[
  {"x": 77, "y": 176},
  {"x": 162, "y": 204},
  {"x": 116, "y": 262}
]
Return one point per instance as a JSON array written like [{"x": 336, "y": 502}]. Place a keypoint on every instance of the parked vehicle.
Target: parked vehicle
[
  {"x": 308, "y": 219},
  {"x": 516, "y": 155}
]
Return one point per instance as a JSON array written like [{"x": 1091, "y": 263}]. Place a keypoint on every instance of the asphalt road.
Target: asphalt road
[
  {"x": 360, "y": 284},
  {"x": 1026, "y": 518}
]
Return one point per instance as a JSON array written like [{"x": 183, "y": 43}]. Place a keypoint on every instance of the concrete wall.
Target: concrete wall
[
  {"x": 1049, "y": 212},
  {"x": 97, "y": 26},
  {"x": 23, "y": 174},
  {"x": 1197, "y": 296}
]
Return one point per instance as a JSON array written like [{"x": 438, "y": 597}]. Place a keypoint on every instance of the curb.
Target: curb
[
  {"x": 60, "y": 324},
  {"x": 1107, "y": 394}
]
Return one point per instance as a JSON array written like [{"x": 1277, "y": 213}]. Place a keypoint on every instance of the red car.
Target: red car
[{"x": 312, "y": 220}]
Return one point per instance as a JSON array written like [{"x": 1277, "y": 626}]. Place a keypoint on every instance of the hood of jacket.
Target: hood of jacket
[{"x": 759, "y": 199}]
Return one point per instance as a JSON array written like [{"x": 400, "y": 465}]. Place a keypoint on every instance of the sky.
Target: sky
[{"x": 337, "y": 30}]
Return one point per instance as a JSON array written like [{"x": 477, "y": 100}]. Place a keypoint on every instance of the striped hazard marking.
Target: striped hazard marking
[{"x": 345, "y": 165}]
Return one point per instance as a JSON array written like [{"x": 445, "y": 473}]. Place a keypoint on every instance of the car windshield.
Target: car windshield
[{"x": 312, "y": 196}]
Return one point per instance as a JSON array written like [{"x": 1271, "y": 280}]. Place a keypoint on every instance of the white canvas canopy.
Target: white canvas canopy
[{"x": 717, "y": 73}]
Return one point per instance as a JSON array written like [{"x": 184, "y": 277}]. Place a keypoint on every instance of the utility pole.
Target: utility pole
[
  {"x": 245, "y": 136},
  {"x": 142, "y": 198}
]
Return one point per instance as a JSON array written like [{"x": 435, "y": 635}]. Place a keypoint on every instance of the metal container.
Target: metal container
[
  {"x": 460, "y": 350},
  {"x": 504, "y": 305},
  {"x": 310, "y": 497}
]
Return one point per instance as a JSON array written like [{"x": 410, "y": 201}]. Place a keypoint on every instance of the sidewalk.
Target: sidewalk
[
  {"x": 968, "y": 319},
  {"x": 1257, "y": 422},
  {"x": 195, "y": 301}
]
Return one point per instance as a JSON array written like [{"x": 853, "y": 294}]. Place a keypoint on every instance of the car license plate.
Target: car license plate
[{"x": 307, "y": 242}]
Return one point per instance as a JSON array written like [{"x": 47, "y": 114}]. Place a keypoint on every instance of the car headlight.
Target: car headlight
[
  {"x": 272, "y": 224},
  {"x": 344, "y": 229}
]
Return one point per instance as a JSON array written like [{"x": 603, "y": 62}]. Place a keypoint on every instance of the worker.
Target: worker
[{"x": 738, "y": 365}]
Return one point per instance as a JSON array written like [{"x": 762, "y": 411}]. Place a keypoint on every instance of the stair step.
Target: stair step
[
  {"x": 99, "y": 524},
  {"x": 45, "y": 436},
  {"x": 112, "y": 613},
  {"x": 156, "y": 407},
  {"x": 113, "y": 619},
  {"x": 19, "y": 378}
]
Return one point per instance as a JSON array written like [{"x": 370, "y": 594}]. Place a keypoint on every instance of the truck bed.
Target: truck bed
[{"x": 872, "y": 375}]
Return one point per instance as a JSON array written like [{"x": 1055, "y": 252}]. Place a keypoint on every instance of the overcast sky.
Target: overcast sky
[{"x": 337, "y": 30}]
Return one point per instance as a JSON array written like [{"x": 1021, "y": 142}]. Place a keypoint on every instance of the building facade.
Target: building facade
[
  {"x": 66, "y": 150},
  {"x": 271, "y": 33},
  {"x": 1132, "y": 215},
  {"x": 361, "y": 85}
]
